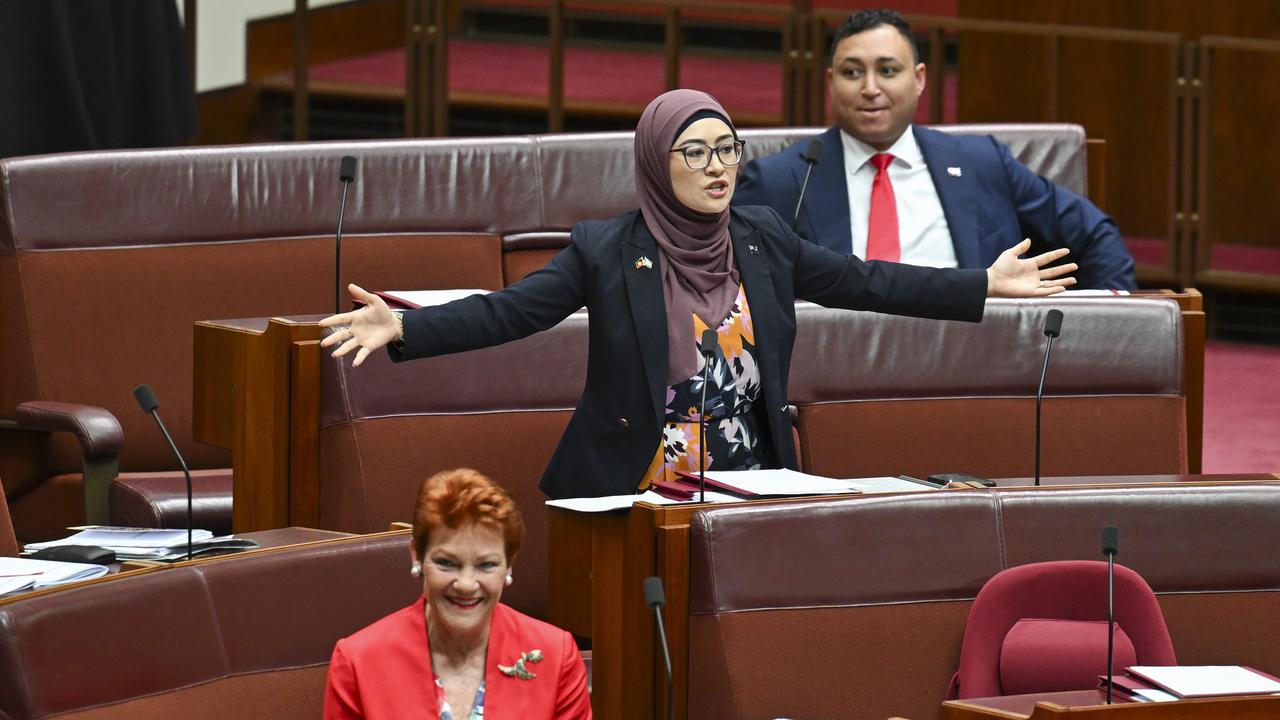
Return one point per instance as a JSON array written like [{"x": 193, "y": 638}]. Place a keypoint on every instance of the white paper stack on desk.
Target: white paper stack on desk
[
  {"x": 21, "y": 574},
  {"x": 148, "y": 543}
]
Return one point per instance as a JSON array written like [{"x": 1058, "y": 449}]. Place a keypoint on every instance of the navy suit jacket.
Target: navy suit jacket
[
  {"x": 617, "y": 424},
  {"x": 991, "y": 206}
]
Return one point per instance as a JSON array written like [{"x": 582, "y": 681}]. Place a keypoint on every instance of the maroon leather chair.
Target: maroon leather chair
[
  {"x": 1042, "y": 627},
  {"x": 241, "y": 636}
]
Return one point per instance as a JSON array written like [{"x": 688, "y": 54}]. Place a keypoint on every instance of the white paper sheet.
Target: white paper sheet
[
  {"x": 1207, "y": 680},
  {"x": 623, "y": 502},
  {"x": 18, "y": 574}
]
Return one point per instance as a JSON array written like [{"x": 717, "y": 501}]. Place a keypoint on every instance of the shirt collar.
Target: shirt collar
[{"x": 904, "y": 150}]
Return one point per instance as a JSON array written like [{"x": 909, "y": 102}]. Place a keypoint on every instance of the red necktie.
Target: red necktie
[{"x": 882, "y": 225}]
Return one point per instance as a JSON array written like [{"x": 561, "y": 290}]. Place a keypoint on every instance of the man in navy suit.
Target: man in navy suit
[{"x": 950, "y": 201}]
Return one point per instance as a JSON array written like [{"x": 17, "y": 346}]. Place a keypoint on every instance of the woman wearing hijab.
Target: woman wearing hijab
[{"x": 652, "y": 280}]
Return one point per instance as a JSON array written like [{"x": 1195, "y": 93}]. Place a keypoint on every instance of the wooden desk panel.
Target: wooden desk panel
[{"x": 1091, "y": 704}]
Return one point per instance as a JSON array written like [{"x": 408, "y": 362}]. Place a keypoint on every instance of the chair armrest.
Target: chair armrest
[
  {"x": 100, "y": 439},
  {"x": 97, "y": 429}
]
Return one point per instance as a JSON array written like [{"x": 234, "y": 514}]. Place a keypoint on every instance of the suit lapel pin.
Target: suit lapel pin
[
  {"x": 953, "y": 171},
  {"x": 753, "y": 249},
  {"x": 519, "y": 670},
  {"x": 644, "y": 263}
]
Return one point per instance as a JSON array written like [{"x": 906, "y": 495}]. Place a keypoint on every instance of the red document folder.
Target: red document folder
[{"x": 690, "y": 478}]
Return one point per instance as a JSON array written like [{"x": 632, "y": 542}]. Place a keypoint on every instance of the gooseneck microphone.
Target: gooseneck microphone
[
  {"x": 811, "y": 155},
  {"x": 1110, "y": 548},
  {"x": 708, "y": 350},
  {"x": 346, "y": 173},
  {"x": 656, "y": 599},
  {"x": 147, "y": 401},
  {"x": 1052, "y": 329}
]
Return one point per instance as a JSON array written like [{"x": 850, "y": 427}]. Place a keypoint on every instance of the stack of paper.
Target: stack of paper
[
  {"x": 19, "y": 574},
  {"x": 1204, "y": 681},
  {"x": 147, "y": 543}
]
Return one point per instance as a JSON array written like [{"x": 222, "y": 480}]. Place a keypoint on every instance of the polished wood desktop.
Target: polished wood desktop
[{"x": 1092, "y": 704}]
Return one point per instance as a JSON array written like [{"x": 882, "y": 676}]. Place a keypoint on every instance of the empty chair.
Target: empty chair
[{"x": 1043, "y": 628}]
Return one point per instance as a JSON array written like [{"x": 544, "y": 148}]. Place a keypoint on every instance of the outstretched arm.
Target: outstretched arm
[
  {"x": 1015, "y": 277},
  {"x": 368, "y": 328}
]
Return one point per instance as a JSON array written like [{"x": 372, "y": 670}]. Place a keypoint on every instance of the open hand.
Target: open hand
[
  {"x": 369, "y": 328},
  {"x": 1014, "y": 277}
]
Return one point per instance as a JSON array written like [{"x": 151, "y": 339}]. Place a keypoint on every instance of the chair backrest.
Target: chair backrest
[
  {"x": 1071, "y": 590},
  {"x": 866, "y": 598},
  {"x": 239, "y": 636},
  {"x": 882, "y": 395},
  {"x": 386, "y": 426}
]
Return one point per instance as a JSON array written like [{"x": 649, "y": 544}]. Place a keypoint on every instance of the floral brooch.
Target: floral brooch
[{"x": 519, "y": 670}]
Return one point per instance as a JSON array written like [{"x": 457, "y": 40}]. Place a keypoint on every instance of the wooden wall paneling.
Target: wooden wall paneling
[
  {"x": 1191, "y": 18},
  {"x": 334, "y": 32},
  {"x": 1239, "y": 158},
  {"x": 555, "y": 83},
  {"x": 1124, "y": 92},
  {"x": 1002, "y": 77},
  {"x": 301, "y": 66},
  {"x": 1188, "y": 151}
]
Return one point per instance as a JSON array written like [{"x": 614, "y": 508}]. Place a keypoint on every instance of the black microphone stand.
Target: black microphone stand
[
  {"x": 708, "y": 351},
  {"x": 1052, "y": 328},
  {"x": 811, "y": 155},
  {"x": 346, "y": 174},
  {"x": 655, "y": 598},
  {"x": 147, "y": 401},
  {"x": 1110, "y": 546}
]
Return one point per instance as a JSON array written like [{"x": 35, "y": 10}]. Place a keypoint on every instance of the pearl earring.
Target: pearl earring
[
  {"x": 509, "y": 579},
  {"x": 416, "y": 570}
]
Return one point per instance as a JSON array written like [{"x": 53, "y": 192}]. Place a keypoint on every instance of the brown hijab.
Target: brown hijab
[{"x": 698, "y": 275}]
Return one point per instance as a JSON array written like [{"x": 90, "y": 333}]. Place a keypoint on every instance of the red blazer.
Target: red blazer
[{"x": 384, "y": 671}]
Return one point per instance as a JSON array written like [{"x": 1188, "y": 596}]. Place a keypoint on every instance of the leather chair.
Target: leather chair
[
  {"x": 1043, "y": 628},
  {"x": 99, "y": 291}
]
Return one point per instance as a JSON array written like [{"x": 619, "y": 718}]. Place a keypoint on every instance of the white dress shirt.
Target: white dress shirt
[{"x": 925, "y": 238}]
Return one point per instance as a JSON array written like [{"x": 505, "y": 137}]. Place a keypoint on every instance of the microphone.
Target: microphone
[
  {"x": 147, "y": 401},
  {"x": 1110, "y": 548},
  {"x": 708, "y": 350},
  {"x": 346, "y": 173},
  {"x": 1052, "y": 329},
  {"x": 811, "y": 155},
  {"x": 656, "y": 599}
]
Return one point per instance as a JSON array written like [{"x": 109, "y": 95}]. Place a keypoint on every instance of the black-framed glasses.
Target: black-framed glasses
[{"x": 698, "y": 156}]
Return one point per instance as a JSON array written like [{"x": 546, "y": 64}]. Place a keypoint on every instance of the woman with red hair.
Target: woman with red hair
[{"x": 458, "y": 653}]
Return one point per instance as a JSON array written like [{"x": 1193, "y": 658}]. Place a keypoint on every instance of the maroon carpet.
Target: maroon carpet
[{"x": 1241, "y": 408}]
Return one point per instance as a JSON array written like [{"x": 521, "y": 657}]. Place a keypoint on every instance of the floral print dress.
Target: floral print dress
[{"x": 733, "y": 438}]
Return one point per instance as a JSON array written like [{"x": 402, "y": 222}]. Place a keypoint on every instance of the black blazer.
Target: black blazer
[{"x": 617, "y": 425}]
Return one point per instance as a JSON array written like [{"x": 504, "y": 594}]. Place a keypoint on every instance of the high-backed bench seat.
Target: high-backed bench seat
[
  {"x": 875, "y": 394},
  {"x": 90, "y": 243},
  {"x": 241, "y": 636},
  {"x": 856, "y": 609}
]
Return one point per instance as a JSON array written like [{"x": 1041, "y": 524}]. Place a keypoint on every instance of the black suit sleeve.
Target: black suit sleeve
[
  {"x": 835, "y": 280},
  {"x": 539, "y": 301}
]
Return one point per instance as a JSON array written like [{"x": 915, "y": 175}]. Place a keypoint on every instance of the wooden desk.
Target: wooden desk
[
  {"x": 256, "y": 392},
  {"x": 1091, "y": 704},
  {"x": 595, "y": 590}
]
